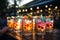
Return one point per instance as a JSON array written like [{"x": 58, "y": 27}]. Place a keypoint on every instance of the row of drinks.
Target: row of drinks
[{"x": 28, "y": 24}]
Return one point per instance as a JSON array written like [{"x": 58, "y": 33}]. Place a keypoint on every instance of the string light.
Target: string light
[
  {"x": 31, "y": 8},
  {"x": 26, "y": 10},
  {"x": 19, "y": 10},
  {"x": 49, "y": 9},
  {"x": 37, "y": 7},
  {"x": 56, "y": 7},
  {"x": 37, "y": 11},
  {"x": 41, "y": 10},
  {"x": 46, "y": 6},
  {"x": 23, "y": 10}
]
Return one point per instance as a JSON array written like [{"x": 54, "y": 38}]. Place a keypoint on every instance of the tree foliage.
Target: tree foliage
[{"x": 3, "y": 6}]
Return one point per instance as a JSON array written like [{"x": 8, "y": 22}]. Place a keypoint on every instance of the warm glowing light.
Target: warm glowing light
[
  {"x": 29, "y": 28},
  {"x": 10, "y": 23},
  {"x": 46, "y": 6},
  {"x": 26, "y": 10},
  {"x": 31, "y": 8},
  {"x": 42, "y": 30},
  {"x": 23, "y": 10},
  {"x": 56, "y": 7},
  {"x": 19, "y": 24},
  {"x": 41, "y": 10},
  {"x": 37, "y": 7},
  {"x": 27, "y": 25},
  {"x": 37, "y": 11},
  {"x": 19, "y": 10},
  {"x": 49, "y": 8},
  {"x": 18, "y": 27},
  {"x": 31, "y": 13}
]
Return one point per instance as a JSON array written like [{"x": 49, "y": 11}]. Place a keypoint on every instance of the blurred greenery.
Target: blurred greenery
[{"x": 3, "y": 6}]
